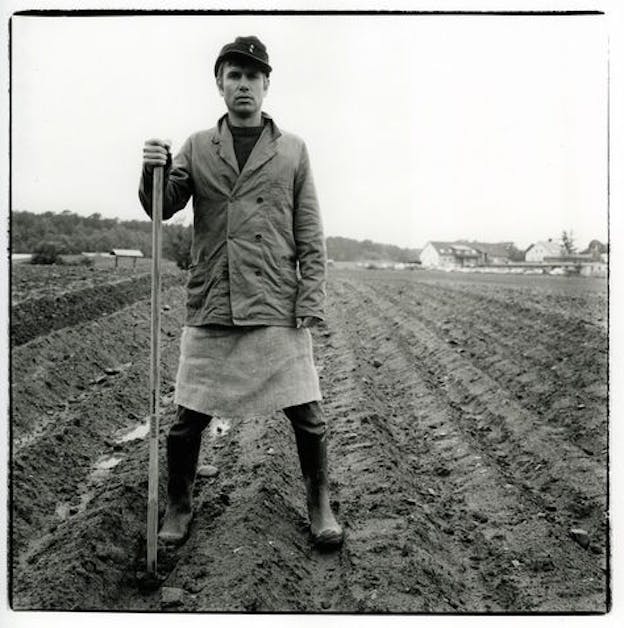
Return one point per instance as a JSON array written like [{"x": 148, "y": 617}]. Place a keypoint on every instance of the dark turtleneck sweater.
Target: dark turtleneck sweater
[{"x": 245, "y": 138}]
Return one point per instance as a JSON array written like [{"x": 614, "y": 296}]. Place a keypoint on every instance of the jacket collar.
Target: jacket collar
[{"x": 264, "y": 149}]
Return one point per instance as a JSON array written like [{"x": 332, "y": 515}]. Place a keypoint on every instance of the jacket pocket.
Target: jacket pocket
[{"x": 203, "y": 278}]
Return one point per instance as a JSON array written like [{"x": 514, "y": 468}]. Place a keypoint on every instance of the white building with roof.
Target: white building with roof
[
  {"x": 538, "y": 251},
  {"x": 448, "y": 255}
]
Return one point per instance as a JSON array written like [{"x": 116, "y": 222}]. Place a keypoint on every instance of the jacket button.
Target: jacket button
[
  {"x": 260, "y": 199},
  {"x": 258, "y": 272},
  {"x": 258, "y": 236}
]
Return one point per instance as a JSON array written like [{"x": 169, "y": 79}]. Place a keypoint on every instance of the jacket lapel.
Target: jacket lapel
[
  {"x": 264, "y": 150},
  {"x": 226, "y": 146}
]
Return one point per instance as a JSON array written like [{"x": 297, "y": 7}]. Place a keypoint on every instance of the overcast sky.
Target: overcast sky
[{"x": 419, "y": 127}]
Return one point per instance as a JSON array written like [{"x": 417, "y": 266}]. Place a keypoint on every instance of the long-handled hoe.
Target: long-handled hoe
[{"x": 151, "y": 578}]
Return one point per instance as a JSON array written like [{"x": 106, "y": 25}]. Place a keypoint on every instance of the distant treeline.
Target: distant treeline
[
  {"x": 72, "y": 234},
  {"x": 78, "y": 234},
  {"x": 347, "y": 250}
]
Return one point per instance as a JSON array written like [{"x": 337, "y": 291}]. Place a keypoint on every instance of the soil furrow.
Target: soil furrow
[
  {"x": 444, "y": 378},
  {"x": 457, "y": 464},
  {"x": 76, "y": 427},
  {"x": 540, "y": 375},
  {"x": 36, "y": 317},
  {"x": 397, "y": 488},
  {"x": 442, "y": 452},
  {"x": 472, "y": 383}
]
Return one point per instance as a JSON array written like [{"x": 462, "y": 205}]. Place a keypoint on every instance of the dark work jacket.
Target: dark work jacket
[{"x": 251, "y": 229}]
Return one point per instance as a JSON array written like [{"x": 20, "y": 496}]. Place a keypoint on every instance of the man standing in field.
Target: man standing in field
[{"x": 257, "y": 283}]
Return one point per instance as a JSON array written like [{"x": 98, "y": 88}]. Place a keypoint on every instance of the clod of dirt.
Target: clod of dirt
[
  {"x": 207, "y": 471},
  {"x": 442, "y": 471},
  {"x": 110, "y": 552},
  {"x": 580, "y": 536},
  {"x": 542, "y": 563},
  {"x": 377, "y": 363},
  {"x": 194, "y": 586},
  {"x": 481, "y": 517},
  {"x": 115, "y": 370},
  {"x": 581, "y": 507},
  {"x": 171, "y": 596},
  {"x": 596, "y": 549}
]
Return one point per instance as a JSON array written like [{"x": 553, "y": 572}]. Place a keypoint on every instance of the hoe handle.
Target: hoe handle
[{"x": 152, "y": 487}]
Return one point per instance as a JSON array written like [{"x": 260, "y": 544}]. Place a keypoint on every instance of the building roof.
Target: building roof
[
  {"x": 459, "y": 249},
  {"x": 493, "y": 249},
  {"x": 126, "y": 253}
]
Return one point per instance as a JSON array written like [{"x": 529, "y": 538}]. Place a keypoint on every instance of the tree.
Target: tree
[
  {"x": 567, "y": 243},
  {"x": 596, "y": 248},
  {"x": 47, "y": 252},
  {"x": 515, "y": 254}
]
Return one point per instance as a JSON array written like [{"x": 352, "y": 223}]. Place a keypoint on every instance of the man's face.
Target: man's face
[{"x": 243, "y": 88}]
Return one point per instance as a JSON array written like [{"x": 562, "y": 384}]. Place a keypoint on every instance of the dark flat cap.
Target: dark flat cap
[{"x": 250, "y": 49}]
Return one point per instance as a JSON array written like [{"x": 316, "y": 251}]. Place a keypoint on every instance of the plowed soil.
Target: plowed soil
[{"x": 468, "y": 439}]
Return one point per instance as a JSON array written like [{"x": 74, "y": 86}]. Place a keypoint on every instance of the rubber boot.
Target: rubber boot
[
  {"x": 183, "y": 443},
  {"x": 326, "y": 532}
]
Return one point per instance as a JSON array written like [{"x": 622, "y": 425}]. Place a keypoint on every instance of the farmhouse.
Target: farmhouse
[
  {"x": 449, "y": 255},
  {"x": 540, "y": 250}
]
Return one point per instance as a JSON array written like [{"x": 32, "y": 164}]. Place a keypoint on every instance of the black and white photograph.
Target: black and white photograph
[{"x": 308, "y": 312}]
